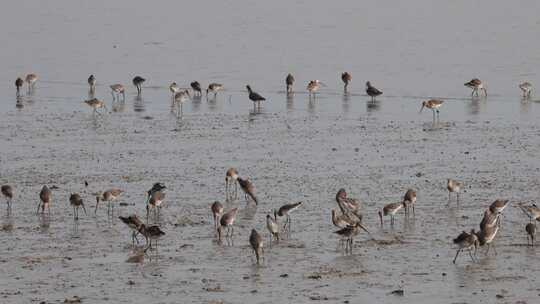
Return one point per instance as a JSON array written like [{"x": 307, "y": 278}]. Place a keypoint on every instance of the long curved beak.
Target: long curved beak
[
  {"x": 364, "y": 228},
  {"x": 421, "y": 109},
  {"x": 323, "y": 84}
]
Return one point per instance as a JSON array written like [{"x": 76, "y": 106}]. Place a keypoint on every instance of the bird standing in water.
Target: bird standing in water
[
  {"x": 248, "y": 188},
  {"x": 18, "y": 84},
  {"x": 372, "y": 91},
  {"x": 137, "y": 82},
  {"x": 196, "y": 86},
  {"x": 346, "y": 78},
  {"x": 255, "y": 97},
  {"x": 256, "y": 242},
  {"x": 289, "y": 81}
]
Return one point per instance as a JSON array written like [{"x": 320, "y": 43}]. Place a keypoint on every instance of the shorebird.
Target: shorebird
[
  {"x": 530, "y": 228},
  {"x": 346, "y": 78},
  {"x": 313, "y": 86},
  {"x": 227, "y": 222},
  {"x": 532, "y": 211},
  {"x": 526, "y": 89},
  {"x": 180, "y": 98},
  {"x": 273, "y": 227},
  {"x": 31, "y": 80},
  {"x": 348, "y": 205},
  {"x": 134, "y": 223},
  {"x": 391, "y": 210},
  {"x": 217, "y": 210},
  {"x": 230, "y": 177},
  {"x": 76, "y": 201},
  {"x": 248, "y": 188},
  {"x": 433, "y": 105},
  {"x": 95, "y": 104},
  {"x": 286, "y": 211},
  {"x": 196, "y": 86},
  {"x": 45, "y": 196},
  {"x": 18, "y": 84},
  {"x": 154, "y": 203},
  {"x": 7, "y": 192},
  {"x": 467, "y": 241},
  {"x": 477, "y": 85},
  {"x": 409, "y": 199},
  {"x": 137, "y": 82},
  {"x": 108, "y": 196},
  {"x": 487, "y": 235},
  {"x": 256, "y": 242},
  {"x": 174, "y": 88},
  {"x": 348, "y": 233},
  {"x": 255, "y": 97},
  {"x": 214, "y": 88},
  {"x": 289, "y": 81},
  {"x": 151, "y": 233},
  {"x": 372, "y": 91},
  {"x": 92, "y": 83},
  {"x": 116, "y": 90},
  {"x": 453, "y": 186}
]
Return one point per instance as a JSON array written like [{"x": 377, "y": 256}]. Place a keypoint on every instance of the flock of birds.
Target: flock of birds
[
  {"x": 181, "y": 95},
  {"x": 348, "y": 218}
]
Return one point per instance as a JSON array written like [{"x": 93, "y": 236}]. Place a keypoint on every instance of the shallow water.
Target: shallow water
[{"x": 295, "y": 150}]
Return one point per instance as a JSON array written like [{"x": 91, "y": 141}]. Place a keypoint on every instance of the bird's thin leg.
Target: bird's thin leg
[{"x": 457, "y": 253}]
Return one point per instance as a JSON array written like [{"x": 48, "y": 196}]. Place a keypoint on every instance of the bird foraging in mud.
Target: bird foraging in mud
[
  {"x": 108, "y": 196},
  {"x": 248, "y": 188},
  {"x": 217, "y": 210},
  {"x": 391, "y": 210},
  {"x": 45, "y": 197},
  {"x": 226, "y": 222},
  {"x": 530, "y": 228},
  {"x": 7, "y": 192},
  {"x": 134, "y": 223},
  {"x": 285, "y": 211},
  {"x": 273, "y": 227},
  {"x": 256, "y": 242},
  {"x": 453, "y": 186},
  {"x": 231, "y": 176},
  {"x": 76, "y": 201},
  {"x": 467, "y": 241},
  {"x": 289, "y": 81},
  {"x": 151, "y": 233},
  {"x": 346, "y": 78}
]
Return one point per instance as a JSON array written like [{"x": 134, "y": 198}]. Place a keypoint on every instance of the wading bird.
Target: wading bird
[{"x": 476, "y": 85}]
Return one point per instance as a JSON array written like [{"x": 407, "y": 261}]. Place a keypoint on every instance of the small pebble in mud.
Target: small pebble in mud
[
  {"x": 130, "y": 282},
  {"x": 499, "y": 296},
  {"x": 334, "y": 149},
  {"x": 254, "y": 291},
  {"x": 419, "y": 174},
  {"x": 147, "y": 117},
  {"x": 444, "y": 274},
  {"x": 398, "y": 292},
  {"x": 356, "y": 149},
  {"x": 284, "y": 275},
  {"x": 245, "y": 277}
]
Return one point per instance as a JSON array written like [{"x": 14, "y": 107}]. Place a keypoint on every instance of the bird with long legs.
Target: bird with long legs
[
  {"x": 346, "y": 78},
  {"x": 248, "y": 188},
  {"x": 108, "y": 196},
  {"x": 476, "y": 85},
  {"x": 217, "y": 211},
  {"x": 341, "y": 221},
  {"x": 179, "y": 99},
  {"x": 134, "y": 223},
  {"x": 91, "y": 84},
  {"x": 116, "y": 90},
  {"x": 409, "y": 199},
  {"x": 526, "y": 89},
  {"x": 348, "y": 233},
  {"x": 313, "y": 87},
  {"x": 76, "y": 201},
  {"x": 45, "y": 197},
  {"x": 227, "y": 223},
  {"x": 151, "y": 233},
  {"x": 467, "y": 241},
  {"x": 391, "y": 210},
  {"x": 289, "y": 82},
  {"x": 197, "y": 89},
  {"x": 231, "y": 176},
  {"x": 530, "y": 228},
  {"x": 96, "y": 104},
  {"x": 285, "y": 211},
  {"x": 256, "y": 242},
  {"x": 31, "y": 80},
  {"x": 433, "y": 105},
  {"x": 18, "y": 84},
  {"x": 273, "y": 228},
  {"x": 154, "y": 203},
  {"x": 256, "y": 98},
  {"x": 137, "y": 82},
  {"x": 532, "y": 211},
  {"x": 453, "y": 186},
  {"x": 372, "y": 91},
  {"x": 7, "y": 192},
  {"x": 214, "y": 88},
  {"x": 348, "y": 205}
]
